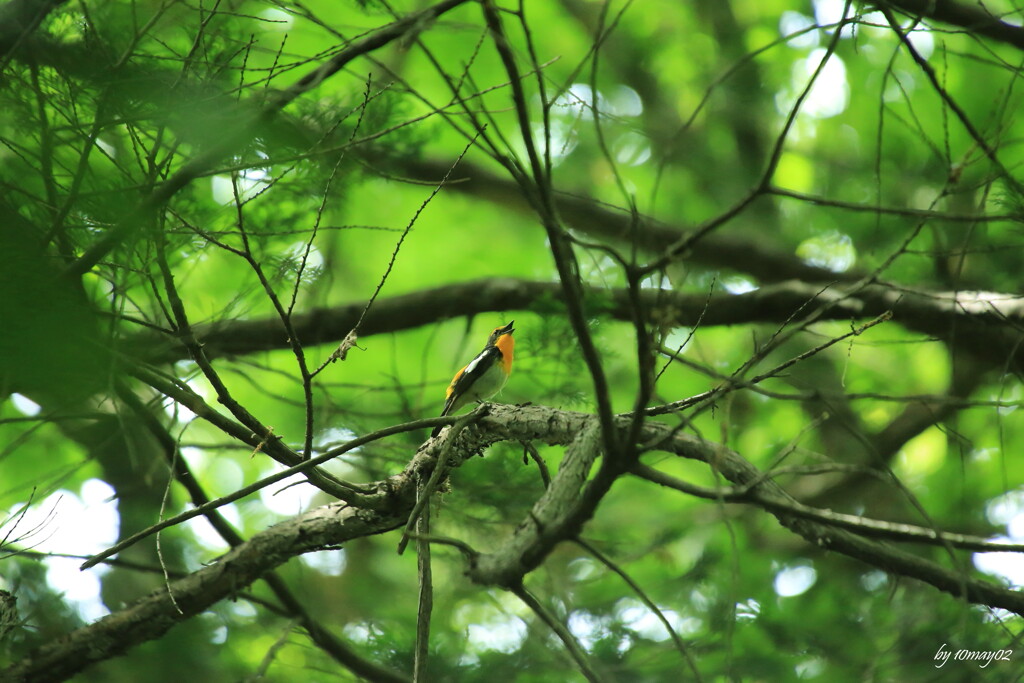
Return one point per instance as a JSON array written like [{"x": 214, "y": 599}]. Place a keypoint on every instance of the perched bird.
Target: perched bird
[{"x": 485, "y": 375}]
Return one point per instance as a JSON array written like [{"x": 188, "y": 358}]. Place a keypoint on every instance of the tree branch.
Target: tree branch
[
  {"x": 988, "y": 325},
  {"x": 535, "y": 535},
  {"x": 558, "y": 515},
  {"x": 19, "y": 18},
  {"x": 152, "y": 616},
  {"x": 972, "y": 18}
]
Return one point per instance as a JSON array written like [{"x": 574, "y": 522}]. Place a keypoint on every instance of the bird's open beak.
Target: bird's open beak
[{"x": 508, "y": 329}]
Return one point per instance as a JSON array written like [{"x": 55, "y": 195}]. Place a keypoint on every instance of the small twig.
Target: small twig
[
  {"x": 271, "y": 654},
  {"x": 683, "y": 246},
  {"x": 440, "y": 467},
  {"x": 644, "y": 598},
  {"x": 730, "y": 385},
  {"x": 864, "y": 526},
  {"x": 467, "y": 550},
  {"x": 159, "y": 545},
  {"x": 530, "y": 450},
  {"x": 560, "y": 630},
  {"x": 353, "y": 335},
  {"x": 425, "y": 604},
  {"x": 929, "y": 72},
  {"x": 693, "y": 330}
]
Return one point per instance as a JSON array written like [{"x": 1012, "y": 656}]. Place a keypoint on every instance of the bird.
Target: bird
[{"x": 485, "y": 375}]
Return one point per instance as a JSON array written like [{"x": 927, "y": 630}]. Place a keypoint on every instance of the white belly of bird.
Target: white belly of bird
[{"x": 486, "y": 386}]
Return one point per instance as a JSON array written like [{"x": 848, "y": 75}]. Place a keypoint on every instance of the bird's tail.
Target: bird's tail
[{"x": 447, "y": 407}]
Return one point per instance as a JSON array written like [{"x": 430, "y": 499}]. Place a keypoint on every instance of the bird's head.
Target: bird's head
[{"x": 499, "y": 332}]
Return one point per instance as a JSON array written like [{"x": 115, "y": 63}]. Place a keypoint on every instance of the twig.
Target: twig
[
  {"x": 425, "y": 603},
  {"x": 353, "y": 334},
  {"x": 644, "y": 598},
  {"x": 729, "y": 385},
  {"x": 440, "y": 469},
  {"x": 865, "y": 526},
  {"x": 560, "y": 630}
]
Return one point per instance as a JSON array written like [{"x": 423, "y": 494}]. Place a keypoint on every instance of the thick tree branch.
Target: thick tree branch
[
  {"x": 323, "y": 638},
  {"x": 155, "y": 614},
  {"x": 988, "y": 325},
  {"x": 558, "y": 515},
  {"x": 327, "y": 526},
  {"x": 536, "y": 536},
  {"x": 972, "y": 18}
]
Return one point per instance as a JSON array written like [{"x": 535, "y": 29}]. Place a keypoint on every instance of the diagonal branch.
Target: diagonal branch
[
  {"x": 19, "y": 18},
  {"x": 973, "y": 18},
  {"x": 540, "y": 189},
  {"x": 152, "y": 616}
]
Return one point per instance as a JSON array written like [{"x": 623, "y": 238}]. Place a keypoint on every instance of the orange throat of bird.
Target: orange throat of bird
[{"x": 506, "y": 344}]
